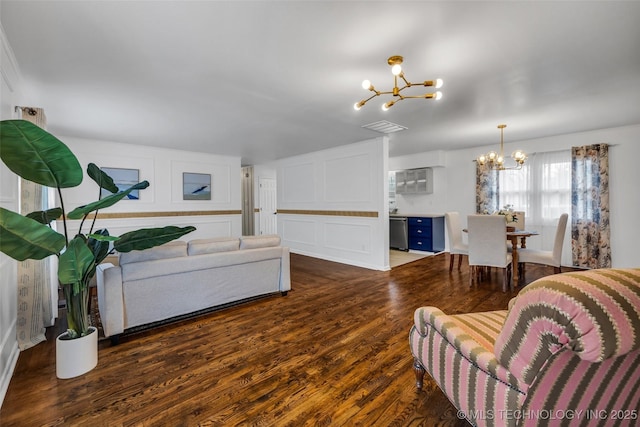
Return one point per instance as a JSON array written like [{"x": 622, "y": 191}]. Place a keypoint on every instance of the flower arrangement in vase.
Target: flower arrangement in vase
[{"x": 509, "y": 215}]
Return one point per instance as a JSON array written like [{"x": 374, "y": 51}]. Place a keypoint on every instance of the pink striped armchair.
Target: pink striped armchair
[{"x": 567, "y": 352}]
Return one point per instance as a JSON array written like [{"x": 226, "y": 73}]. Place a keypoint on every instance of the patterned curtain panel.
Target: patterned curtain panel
[
  {"x": 590, "y": 206},
  {"x": 487, "y": 186},
  {"x": 34, "y": 295}
]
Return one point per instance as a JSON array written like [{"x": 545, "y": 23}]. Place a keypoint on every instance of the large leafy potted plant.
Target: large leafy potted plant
[{"x": 37, "y": 156}]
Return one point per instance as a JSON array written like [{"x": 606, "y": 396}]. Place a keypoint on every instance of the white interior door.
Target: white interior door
[{"x": 267, "y": 194}]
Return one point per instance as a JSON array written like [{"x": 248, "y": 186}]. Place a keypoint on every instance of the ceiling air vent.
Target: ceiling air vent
[{"x": 384, "y": 126}]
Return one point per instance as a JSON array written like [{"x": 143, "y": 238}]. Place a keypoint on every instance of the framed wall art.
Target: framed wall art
[
  {"x": 196, "y": 186},
  {"x": 123, "y": 179}
]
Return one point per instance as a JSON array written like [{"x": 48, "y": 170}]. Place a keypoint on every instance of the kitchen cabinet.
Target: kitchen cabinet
[
  {"x": 426, "y": 233},
  {"x": 414, "y": 181}
]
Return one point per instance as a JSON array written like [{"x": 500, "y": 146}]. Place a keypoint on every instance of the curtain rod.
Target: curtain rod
[
  {"x": 30, "y": 110},
  {"x": 569, "y": 149}
]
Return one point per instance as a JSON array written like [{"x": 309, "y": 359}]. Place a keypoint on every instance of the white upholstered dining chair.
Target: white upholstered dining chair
[
  {"x": 488, "y": 247},
  {"x": 454, "y": 233},
  {"x": 551, "y": 258}
]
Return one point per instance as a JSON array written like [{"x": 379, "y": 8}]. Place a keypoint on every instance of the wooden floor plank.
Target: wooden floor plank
[{"x": 334, "y": 351}]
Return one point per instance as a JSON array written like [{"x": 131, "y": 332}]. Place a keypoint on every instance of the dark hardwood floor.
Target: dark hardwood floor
[{"x": 333, "y": 352}]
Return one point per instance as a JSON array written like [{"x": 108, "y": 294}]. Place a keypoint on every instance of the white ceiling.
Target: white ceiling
[{"x": 270, "y": 79}]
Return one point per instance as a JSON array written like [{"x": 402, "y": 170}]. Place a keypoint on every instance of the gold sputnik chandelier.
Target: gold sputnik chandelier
[
  {"x": 396, "y": 69},
  {"x": 494, "y": 160}
]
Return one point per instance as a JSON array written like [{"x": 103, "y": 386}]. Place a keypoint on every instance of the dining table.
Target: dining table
[{"x": 513, "y": 236}]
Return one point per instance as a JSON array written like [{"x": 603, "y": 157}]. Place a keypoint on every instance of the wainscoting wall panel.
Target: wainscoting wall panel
[
  {"x": 352, "y": 186},
  {"x": 298, "y": 232},
  {"x": 332, "y": 204},
  {"x": 297, "y": 183},
  {"x": 347, "y": 236},
  {"x": 210, "y": 227}
]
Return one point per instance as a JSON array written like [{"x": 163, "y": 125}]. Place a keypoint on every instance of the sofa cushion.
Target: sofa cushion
[
  {"x": 157, "y": 268},
  {"x": 168, "y": 250},
  {"x": 254, "y": 242},
  {"x": 210, "y": 246}
]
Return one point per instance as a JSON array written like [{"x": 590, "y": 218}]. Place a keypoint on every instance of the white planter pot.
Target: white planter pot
[{"x": 78, "y": 356}]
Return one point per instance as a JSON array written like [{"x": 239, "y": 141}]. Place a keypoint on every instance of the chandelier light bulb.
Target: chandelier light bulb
[
  {"x": 439, "y": 84},
  {"x": 356, "y": 106},
  {"x": 500, "y": 160},
  {"x": 388, "y": 105},
  {"x": 396, "y": 69},
  {"x": 366, "y": 84},
  {"x": 482, "y": 159},
  {"x": 438, "y": 95},
  {"x": 519, "y": 156},
  {"x": 492, "y": 156}
]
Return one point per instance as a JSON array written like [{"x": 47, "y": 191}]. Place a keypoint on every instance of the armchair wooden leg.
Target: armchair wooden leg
[
  {"x": 459, "y": 261},
  {"x": 419, "y": 372},
  {"x": 451, "y": 256}
]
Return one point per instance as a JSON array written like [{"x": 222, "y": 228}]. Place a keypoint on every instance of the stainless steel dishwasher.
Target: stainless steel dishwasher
[{"x": 398, "y": 233}]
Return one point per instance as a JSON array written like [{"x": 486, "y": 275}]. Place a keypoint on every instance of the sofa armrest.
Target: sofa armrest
[
  {"x": 285, "y": 270},
  {"x": 595, "y": 314},
  {"x": 110, "y": 298}
]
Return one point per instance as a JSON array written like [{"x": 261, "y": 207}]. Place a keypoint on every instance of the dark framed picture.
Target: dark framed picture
[
  {"x": 196, "y": 186},
  {"x": 123, "y": 179}
]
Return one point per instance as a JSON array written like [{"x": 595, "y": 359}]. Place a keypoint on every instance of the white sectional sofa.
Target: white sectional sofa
[{"x": 180, "y": 278}]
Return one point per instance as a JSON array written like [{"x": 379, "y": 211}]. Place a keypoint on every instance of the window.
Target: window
[{"x": 542, "y": 188}]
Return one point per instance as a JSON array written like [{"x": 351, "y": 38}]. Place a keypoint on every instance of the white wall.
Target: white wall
[
  {"x": 454, "y": 185},
  {"x": 10, "y": 89},
  {"x": 351, "y": 178},
  {"x": 163, "y": 168}
]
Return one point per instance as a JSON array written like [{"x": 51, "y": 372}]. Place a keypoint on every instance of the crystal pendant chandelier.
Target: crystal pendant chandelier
[{"x": 493, "y": 160}]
